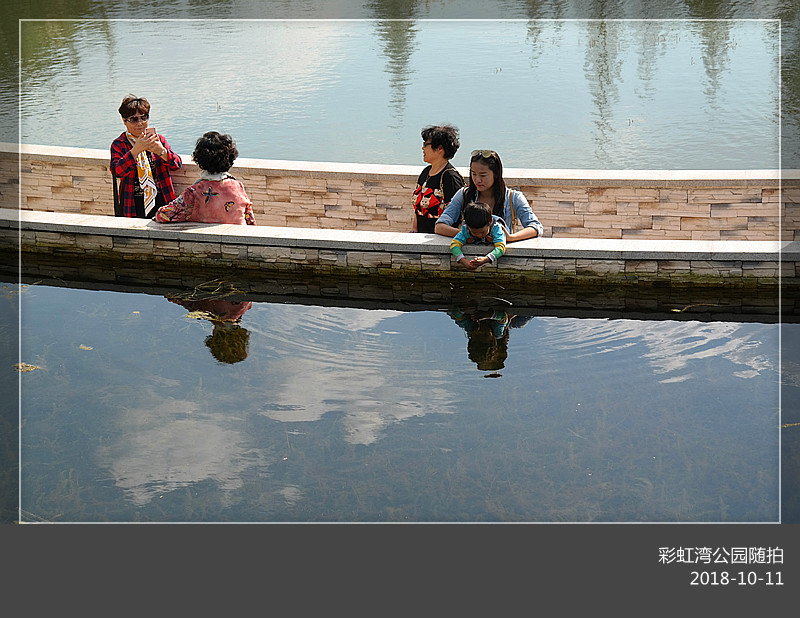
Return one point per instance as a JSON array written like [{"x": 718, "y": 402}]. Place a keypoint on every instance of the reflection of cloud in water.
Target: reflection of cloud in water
[
  {"x": 672, "y": 345},
  {"x": 339, "y": 361},
  {"x": 291, "y": 494},
  {"x": 339, "y": 392},
  {"x": 172, "y": 445}
]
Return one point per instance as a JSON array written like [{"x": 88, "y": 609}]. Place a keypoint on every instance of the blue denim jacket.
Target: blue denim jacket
[{"x": 516, "y": 208}]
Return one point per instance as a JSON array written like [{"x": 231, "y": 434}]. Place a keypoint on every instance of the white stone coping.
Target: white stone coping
[
  {"x": 398, "y": 242},
  {"x": 568, "y": 177}
]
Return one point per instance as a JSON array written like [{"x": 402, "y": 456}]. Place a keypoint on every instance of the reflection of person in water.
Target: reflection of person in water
[
  {"x": 229, "y": 341},
  {"x": 487, "y": 331}
]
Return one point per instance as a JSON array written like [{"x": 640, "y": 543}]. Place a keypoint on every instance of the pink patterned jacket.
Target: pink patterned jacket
[{"x": 210, "y": 201}]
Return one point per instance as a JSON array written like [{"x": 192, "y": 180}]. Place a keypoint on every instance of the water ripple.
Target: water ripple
[{"x": 672, "y": 348}]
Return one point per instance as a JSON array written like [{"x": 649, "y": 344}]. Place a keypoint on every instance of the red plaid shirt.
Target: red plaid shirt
[{"x": 123, "y": 164}]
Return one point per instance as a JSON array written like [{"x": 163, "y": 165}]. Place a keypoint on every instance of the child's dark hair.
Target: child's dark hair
[
  {"x": 485, "y": 350},
  {"x": 477, "y": 215},
  {"x": 215, "y": 152},
  {"x": 445, "y": 136}
]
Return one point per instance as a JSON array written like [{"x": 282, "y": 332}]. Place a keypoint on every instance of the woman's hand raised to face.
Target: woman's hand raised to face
[{"x": 148, "y": 141}]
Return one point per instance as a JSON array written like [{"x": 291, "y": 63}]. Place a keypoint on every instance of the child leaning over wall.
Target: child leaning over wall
[{"x": 480, "y": 227}]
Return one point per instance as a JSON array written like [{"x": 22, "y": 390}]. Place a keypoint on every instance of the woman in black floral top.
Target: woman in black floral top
[{"x": 439, "y": 182}]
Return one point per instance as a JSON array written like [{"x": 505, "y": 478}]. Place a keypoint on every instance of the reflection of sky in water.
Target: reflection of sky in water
[
  {"x": 578, "y": 399},
  {"x": 170, "y": 446},
  {"x": 566, "y": 94},
  {"x": 672, "y": 346},
  {"x": 364, "y": 380}
]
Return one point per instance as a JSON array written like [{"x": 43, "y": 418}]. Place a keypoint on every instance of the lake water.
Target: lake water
[
  {"x": 347, "y": 413},
  {"x": 607, "y": 94},
  {"x": 132, "y": 411}
]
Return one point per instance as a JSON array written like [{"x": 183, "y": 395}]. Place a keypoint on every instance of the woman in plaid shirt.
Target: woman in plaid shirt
[{"x": 142, "y": 159}]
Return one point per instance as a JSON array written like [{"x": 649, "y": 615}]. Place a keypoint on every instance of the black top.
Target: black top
[{"x": 432, "y": 195}]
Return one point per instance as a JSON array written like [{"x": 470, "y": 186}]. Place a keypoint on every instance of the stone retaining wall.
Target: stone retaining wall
[
  {"x": 661, "y": 205},
  {"x": 402, "y": 255}
]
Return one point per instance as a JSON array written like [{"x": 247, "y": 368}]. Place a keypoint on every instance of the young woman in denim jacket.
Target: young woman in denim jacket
[{"x": 486, "y": 185}]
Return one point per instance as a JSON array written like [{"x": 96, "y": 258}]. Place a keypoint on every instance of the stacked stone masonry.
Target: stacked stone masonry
[{"x": 657, "y": 205}]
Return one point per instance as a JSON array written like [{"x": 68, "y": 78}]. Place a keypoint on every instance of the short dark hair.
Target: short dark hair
[
  {"x": 229, "y": 343},
  {"x": 215, "y": 152},
  {"x": 485, "y": 350},
  {"x": 477, "y": 215},
  {"x": 445, "y": 135},
  {"x": 132, "y": 105}
]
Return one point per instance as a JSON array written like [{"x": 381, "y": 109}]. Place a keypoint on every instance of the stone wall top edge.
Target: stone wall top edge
[
  {"x": 513, "y": 176},
  {"x": 389, "y": 241}
]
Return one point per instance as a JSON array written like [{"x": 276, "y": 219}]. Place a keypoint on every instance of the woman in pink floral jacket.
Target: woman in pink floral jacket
[{"x": 217, "y": 197}]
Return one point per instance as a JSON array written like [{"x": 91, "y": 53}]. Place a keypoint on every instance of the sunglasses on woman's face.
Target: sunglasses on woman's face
[
  {"x": 134, "y": 119},
  {"x": 486, "y": 154}
]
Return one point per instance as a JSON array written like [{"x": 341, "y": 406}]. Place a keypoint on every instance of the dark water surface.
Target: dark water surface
[{"x": 138, "y": 410}]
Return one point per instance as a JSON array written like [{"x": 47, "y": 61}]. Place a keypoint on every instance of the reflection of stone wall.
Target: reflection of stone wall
[
  {"x": 706, "y": 303},
  {"x": 665, "y": 205}
]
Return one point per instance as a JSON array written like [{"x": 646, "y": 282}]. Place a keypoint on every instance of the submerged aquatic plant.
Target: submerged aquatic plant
[
  {"x": 23, "y": 367},
  {"x": 208, "y": 290}
]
